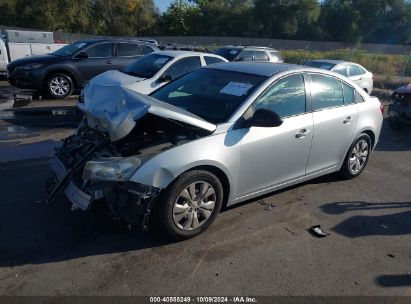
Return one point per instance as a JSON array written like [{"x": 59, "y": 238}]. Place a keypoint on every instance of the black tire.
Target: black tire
[
  {"x": 56, "y": 92},
  {"x": 163, "y": 211},
  {"x": 346, "y": 172}
]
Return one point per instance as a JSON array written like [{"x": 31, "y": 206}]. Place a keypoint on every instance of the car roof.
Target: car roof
[
  {"x": 175, "y": 53},
  {"x": 249, "y": 47},
  {"x": 331, "y": 61},
  {"x": 115, "y": 40},
  {"x": 257, "y": 68}
]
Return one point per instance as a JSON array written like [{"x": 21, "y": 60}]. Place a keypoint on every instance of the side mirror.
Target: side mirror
[
  {"x": 82, "y": 55},
  {"x": 164, "y": 78},
  {"x": 266, "y": 118}
]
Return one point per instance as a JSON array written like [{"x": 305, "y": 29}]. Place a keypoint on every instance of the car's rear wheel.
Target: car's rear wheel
[
  {"x": 59, "y": 86},
  {"x": 357, "y": 157},
  {"x": 189, "y": 205}
]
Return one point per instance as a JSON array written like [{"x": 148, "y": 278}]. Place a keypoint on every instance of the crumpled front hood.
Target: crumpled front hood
[{"x": 111, "y": 107}]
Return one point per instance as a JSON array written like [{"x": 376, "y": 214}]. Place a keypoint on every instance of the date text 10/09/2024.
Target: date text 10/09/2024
[{"x": 239, "y": 299}]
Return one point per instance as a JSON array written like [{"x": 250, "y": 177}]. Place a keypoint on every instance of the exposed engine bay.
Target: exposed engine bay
[
  {"x": 399, "y": 112},
  {"x": 90, "y": 168}
]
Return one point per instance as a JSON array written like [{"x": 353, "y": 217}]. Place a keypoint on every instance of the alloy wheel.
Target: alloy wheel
[
  {"x": 194, "y": 205},
  {"x": 358, "y": 156},
  {"x": 59, "y": 86}
]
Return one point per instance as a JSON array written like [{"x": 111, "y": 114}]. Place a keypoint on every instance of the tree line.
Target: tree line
[{"x": 354, "y": 21}]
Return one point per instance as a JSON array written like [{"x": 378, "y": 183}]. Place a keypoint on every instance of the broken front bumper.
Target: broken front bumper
[
  {"x": 399, "y": 112},
  {"x": 79, "y": 198},
  {"x": 128, "y": 201}
]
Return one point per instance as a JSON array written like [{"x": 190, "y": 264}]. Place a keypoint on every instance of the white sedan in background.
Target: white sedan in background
[
  {"x": 154, "y": 70},
  {"x": 351, "y": 70}
]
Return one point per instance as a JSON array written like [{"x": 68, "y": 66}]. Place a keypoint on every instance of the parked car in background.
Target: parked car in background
[
  {"x": 156, "y": 69},
  {"x": 183, "y": 47},
  {"x": 59, "y": 73},
  {"x": 249, "y": 53},
  {"x": 399, "y": 112},
  {"x": 353, "y": 71},
  {"x": 220, "y": 135}
]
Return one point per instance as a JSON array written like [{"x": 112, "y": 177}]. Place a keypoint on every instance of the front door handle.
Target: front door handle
[
  {"x": 108, "y": 61},
  {"x": 302, "y": 133},
  {"x": 347, "y": 120}
]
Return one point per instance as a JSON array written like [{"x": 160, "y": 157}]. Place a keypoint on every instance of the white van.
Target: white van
[{"x": 19, "y": 44}]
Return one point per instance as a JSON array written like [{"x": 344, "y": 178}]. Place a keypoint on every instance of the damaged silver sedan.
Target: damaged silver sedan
[{"x": 217, "y": 136}]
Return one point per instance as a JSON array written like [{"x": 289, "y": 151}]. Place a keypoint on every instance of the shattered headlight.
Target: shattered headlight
[{"x": 111, "y": 169}]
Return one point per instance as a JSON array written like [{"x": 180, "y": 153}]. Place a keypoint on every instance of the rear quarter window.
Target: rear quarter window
[
  {"x": 211, "y": 60},
  {"x": 355, "y": 70},
  {"x": 358, "y": 97},
  {"x": 260, "y": 56},
  {"x": 146, "y": 49},
  {"x": 349, "y": 94},
  {"x": 276, "y": 56}
]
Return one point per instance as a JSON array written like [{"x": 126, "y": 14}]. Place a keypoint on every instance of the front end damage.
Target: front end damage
[
  {"x": 399, "y": 112},
  {"x": 86, "y": 170},
  {"x": 96, "y": 164}
]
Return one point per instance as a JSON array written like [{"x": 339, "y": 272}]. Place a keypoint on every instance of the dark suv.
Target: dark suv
[{"x": 59, "y": 73}]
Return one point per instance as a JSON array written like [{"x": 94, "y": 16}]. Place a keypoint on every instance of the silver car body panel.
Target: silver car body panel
[
  {"x": 254, "y": 160},
  {"x": 249, "y": 158},
  {"x": 113, "y": 108}
]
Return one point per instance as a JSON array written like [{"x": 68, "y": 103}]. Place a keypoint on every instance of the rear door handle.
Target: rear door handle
[
  {"x": 302, "y": 133},
  {"x": 108, "y": 61},
  {"x": 347, "y": 120}
]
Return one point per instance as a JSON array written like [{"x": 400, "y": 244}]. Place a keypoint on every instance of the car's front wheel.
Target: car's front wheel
[
  {"x": 59, "y": 86},
  {"x": 357, "y": 157},
  {"x": 189, "y": 205}
]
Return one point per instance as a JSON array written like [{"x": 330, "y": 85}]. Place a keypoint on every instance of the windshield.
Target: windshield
[
  {"x": 70, "y": 49},
  {"x": 147, "y": 66},
  {"x": 229, "y": 54},
  {"x": 320, "y": 65},
  {"x": 210, "y": 93}
]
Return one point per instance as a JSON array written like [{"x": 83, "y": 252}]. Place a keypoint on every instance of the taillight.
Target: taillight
[{"x": 382, "y": 108}]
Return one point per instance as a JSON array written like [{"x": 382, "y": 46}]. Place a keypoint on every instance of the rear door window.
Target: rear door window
[
  {"x": 183, "y": 66},
  {"x": 128, "y": 50},
  {"x": 102, "y": 50},
  {"x": 246, "y": 56},
  {"x": 286, "y": 96},
  {"x": 341, "y": 69},
  {"x": 326, "y": 92}
]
